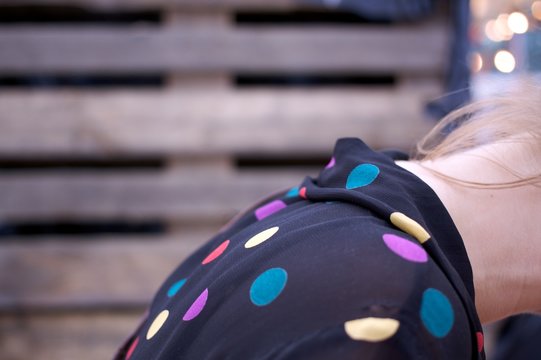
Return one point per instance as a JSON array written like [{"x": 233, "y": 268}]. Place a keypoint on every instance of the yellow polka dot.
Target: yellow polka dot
[
  {"x": 410, "y": 226},
  {"x": 261, "y": 237},
  {"x": 157, "y": 324},
  {"x": 371, "y": 328}
]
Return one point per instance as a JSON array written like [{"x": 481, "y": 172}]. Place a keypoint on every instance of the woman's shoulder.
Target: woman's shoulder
[{"x": 328, "y": 276}]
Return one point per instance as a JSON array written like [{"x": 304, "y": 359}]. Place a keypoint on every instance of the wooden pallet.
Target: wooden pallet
[{"x": 75, "y": 296}]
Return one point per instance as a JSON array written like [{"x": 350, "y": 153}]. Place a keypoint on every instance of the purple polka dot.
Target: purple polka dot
[
  {"x": 331, "y": 163},
  {"x": 269, "y": 209},
  {"x": 197, "y": 306},
  {"x": 404, "y": 248}
]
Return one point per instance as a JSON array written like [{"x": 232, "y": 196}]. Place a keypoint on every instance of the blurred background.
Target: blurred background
[
  {"x": 132, "y": 130},
  {"x": 505, "y": 40}
]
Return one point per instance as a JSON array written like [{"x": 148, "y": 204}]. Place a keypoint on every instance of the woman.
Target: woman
[{"x": 377, "y": 258}]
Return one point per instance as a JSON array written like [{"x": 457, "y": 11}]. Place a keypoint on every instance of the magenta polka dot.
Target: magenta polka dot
[
  {"x": 480, "y": 341},
  {"x": 197, "y": 306},
  {"x": 269, "y": 209},
  {"x": 132, "y": 349},
  {"x": 331, "y": 163},
  {"x": 216, "y": 253},
  {"x": 404, "y": 248}
]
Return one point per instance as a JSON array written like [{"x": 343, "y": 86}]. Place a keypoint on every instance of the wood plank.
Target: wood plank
[
  {"x": 152, "y": 4},
  {"x": 129, "y": 123},
  {"x": 207, "y": 18},
  {"x": 220, "y": 21},
  {"x": 134, "y": 195},
  {"x": 66, "y": 274},
  {"x": 138, "y": 49},
  {"x": 65, "y": 337}
]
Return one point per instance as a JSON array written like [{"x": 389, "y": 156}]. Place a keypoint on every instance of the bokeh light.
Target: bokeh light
[
  {"x": 480, "y": 8},
  {"x": 476, "y": 62},
  {"x": 517, "y": 22},
  {"x": 502, "y": 28},
  {"x": 504, "y": 61},
  {"x": 498, "y": 30},
  {"x": 490, "y": 31},
  {"x": 536, "y": 10}
]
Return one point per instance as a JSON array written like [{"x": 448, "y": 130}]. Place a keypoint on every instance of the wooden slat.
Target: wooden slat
[
  {"x": 205, "y": 122},
  {"x": 152, "y": 4},
  {"x": 52, "y": 337},
  {"x": 134, "y": 196},
  {"x": 196, "y": 18},
  {"x": 217, "y": 20},
  {"x": 90, "y": 273},
  {"x": 72, "y": 50}
]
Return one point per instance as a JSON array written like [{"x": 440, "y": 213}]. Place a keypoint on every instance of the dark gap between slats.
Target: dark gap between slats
[
  {"x": 313, "y": 80},
  {"x": 246, "y": 162},
  {"x": 158, "y": 81},
  {"x": 303, "y": 17},
  {"x": 82, "y": 164},
  {"x": 83, "y": 81},
  {"x": 82, "y": 229},
  {"x": 71, "y": 14}
]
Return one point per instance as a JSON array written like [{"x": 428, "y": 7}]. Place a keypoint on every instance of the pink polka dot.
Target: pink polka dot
[
  {"x": 132, "y": 348},
  {"x": 480, "y": 341},
  {"x": 331, "y": 163},
  {"x": 216, "y": 252},
  {"x": 269, "y": 209},
  {"x": 302, "y": 192},
  {"x": 197, "y": 306},
  {"x": 404, "y": 248}
]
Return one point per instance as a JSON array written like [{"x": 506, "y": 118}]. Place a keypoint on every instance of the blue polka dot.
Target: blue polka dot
[
  {"x": 362, "y": 175},
  {"x": 437, "y": 313},
  {"x": 293, "y": 192},
  {"x": 173, "y": 290},
  {"x": 268, "y": 286}
]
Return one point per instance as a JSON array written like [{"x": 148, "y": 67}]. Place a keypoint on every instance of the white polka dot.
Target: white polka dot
[
  {"x": 409, "y": 226},
  {"x": 371, "y": 329},
  {"x": 157, "y": 324},
  {"x": 261, "y": 237}
]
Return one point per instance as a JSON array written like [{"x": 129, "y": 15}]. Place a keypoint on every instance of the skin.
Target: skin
[{"x": 501, "y": 228}]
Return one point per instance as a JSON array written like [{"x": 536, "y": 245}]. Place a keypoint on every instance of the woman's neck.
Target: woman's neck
[{"x": 500, "y": 228}]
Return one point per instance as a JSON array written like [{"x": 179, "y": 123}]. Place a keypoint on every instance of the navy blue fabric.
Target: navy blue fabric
[
  {"x": 519, "y": 339},
  {"x": 331, "y": 244}
]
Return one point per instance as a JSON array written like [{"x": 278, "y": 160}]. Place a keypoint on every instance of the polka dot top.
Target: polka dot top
[{"x": 363, "y": 262}]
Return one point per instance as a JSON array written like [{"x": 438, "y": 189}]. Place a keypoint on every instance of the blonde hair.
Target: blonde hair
[{"x": 513, "y": 116}]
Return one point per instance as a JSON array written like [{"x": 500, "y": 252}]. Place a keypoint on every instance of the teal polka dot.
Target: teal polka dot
[
  {"x": 268, "y": 286},
  {"x": 173, "y": 290},
  {"x": 437, "y": 313},
  {"x": 293, "y": 192},
  {"x": 362, "y": 175}
]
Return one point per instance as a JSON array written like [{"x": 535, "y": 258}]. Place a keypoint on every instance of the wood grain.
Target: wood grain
[
  {"x": 134, "y": 195},
  {"x": 53, "y": 274},
  {"x": 152, "y": 4},
  {"x": 83, "y": 336},
  {"x": 212, "y": 122},
  {"x": 140, "y": 49}
]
